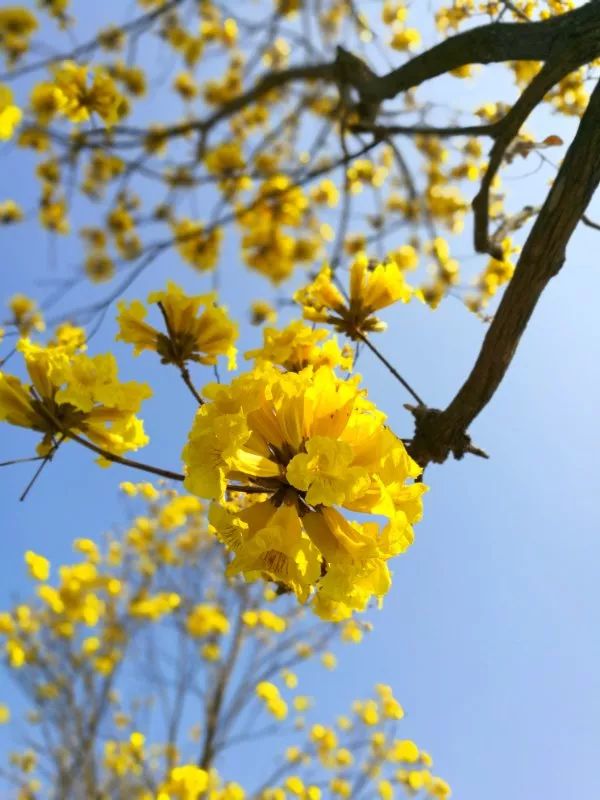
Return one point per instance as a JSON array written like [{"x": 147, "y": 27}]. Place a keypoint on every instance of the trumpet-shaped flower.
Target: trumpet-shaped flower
[
  {"x": 73, "y": 393},
  {"x": 299, "y": 346},
  {"x": 372, "y": 287},
  {"x": 25, "y": 314},
  {"x": 197, "y": 329},
  {"x": 80, "y": 99},
  {"x": 302, "y": 445}
]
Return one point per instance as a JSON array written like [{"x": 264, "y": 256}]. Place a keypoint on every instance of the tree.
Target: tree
[
  {"x": 145, "y": 670},
  {"x": 288, "y": 137}
]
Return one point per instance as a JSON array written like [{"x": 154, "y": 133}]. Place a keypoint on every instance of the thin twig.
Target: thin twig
[
  {"x": 391, "y": 368},
  {"x": 181, "y": 365}
]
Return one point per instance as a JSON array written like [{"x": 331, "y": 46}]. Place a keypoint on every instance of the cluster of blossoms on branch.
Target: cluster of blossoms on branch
[
  {"x": 297, "y": 446},
  {"x": 284, "y": 450},
  {"x": 73, "y": 394},
  {"x": 309, "y": 487},
  {"x": 299, "y": 492},
  {"x": 224, "y": 663},
  {"x": 281, "y": 198}
]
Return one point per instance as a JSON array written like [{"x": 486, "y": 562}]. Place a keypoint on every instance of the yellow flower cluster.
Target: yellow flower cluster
[
  {"x": 207, "y": 620},
  {"x": 25, "y": 315},
  {"x": 274, "y": 703},
  {"x": 298, "y": 346},
  {"x": 445, "y": 270},
  {"x": 496, "y": 273},
  {"x": 264, "y": 618},
  {"x": 196, "y": 328},
  {"x": 17, "y": 26},
  {"x": 197, "y": 247},
  {"x": 373, "y": 286},
  {"x": 262, "y": 311},
  {"x": 71, "y": 94},
  {"x": 373, "y": 721},
  {"x": 228, "y": 164},
  {"x": 302, "y": 444},
  {"x": 72, "y": 393},
  {"x": 266, "y": 245},
  {"x": 10, "y": 212}
]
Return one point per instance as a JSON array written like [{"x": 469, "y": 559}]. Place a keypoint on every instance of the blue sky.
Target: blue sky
[{"x": 490, "y": 634}]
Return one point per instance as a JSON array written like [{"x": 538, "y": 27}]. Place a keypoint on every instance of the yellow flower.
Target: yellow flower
[
  {"x": 299, "y": 346},
  {"x": 325, "y": 474},
  {"x": 10, "y": 115},
  {"x": 25, "y": 314},
  {"x": 266, "y": 246},
  {"x": 274, "y": 703},
  {"x": 404, "y": 750},
  {"x": 4, "y": 714},
  {"x": 267, "y": 691},
  {"x": 308, "y": 442},
  {"x": 81, "y": 99},
  {"x": 184, "y": 783},
  {"x": 53, "y": 212},
  {"x": 372, "y": 287},
  {"x": 390, "y": 707},
  {"x": 197, "y": 329},
  {"x": 46, "y": 101},
  {"x": 128, "y": 488},
  {"x": 206, "y": 620},
  {"x": 73, "y": 393},
  {"x": 185, "y": 85},
  {"x": 367, "y": 712},
  {"x": 266, "y": 619},
  {"x": 227, "y": 162},
  {"x": 39, "y": 567},
  {"x": 17, "y": 24},
  {"x": 405, "y": 39},
  {"x": 210, "y": 651},
  {"x": 154, "y": 607},
  {"x": 329, "y": 661},
  {"x": 261, "y": 311},
  {"x": 196, "y": 246},
  {"x": 10, "y": 212},
  {"x": 326, "y": 193},
  {"x": 352, "y": 632},
  {"x": 70, "y": 338}
]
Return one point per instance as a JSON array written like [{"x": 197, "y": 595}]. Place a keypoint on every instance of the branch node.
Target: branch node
[{"x": 434, "y": 441}]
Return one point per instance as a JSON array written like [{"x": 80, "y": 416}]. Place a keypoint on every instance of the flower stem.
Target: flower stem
[{"x": 391, "y": 368}]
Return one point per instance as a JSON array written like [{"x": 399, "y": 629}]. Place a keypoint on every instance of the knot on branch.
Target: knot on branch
[
  {"x": 354, "y": 73},
  {"x": 434, "y": 440}
]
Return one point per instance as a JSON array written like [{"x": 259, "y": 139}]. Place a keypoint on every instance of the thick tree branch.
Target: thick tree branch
[
  {"x": 574, "y": 32},
  {"x": 440, "y": 433},
  {"x": 571, "y": 40}
]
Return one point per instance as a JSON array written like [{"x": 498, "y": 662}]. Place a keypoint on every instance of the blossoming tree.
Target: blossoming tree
[
  {"x": 146, "y": 672},
  {"x": 329, "y": 172},
  {"x": 287, "y": 133}
]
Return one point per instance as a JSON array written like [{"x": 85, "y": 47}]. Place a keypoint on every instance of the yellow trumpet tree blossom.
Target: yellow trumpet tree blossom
[{"x": 304, "y": 444}]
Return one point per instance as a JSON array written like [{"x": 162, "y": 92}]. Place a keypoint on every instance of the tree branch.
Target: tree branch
[
  {"x": 504, "y": 133},
  {"x": 441, "y": 433},
  {"x": 575, "y": 32}
]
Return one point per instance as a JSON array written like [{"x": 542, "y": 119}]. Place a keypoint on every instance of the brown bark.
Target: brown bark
[{"x": 440, "y": 433}]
